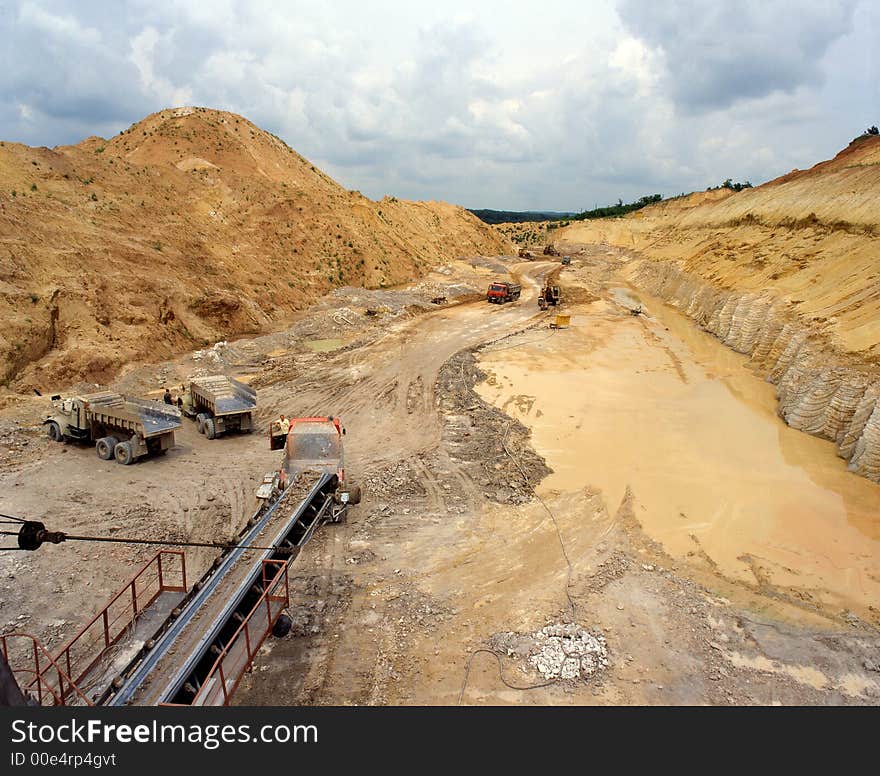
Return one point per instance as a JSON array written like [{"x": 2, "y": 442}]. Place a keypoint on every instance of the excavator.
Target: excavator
[{"x": 549, "y": 296}]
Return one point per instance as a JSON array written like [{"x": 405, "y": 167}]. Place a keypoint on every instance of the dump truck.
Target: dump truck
[
  {"x": 219, "y": 404},
  {"x": 550, "y": 250},
  {"x": 524, "y": 253},
  {"x": 314, "y": 445},
  {"x": 501, "y": 291},
  {"x": 121, "y": 427}
]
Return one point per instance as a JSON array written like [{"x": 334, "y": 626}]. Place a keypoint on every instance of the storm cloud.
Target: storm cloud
[{"x": 494, "y": 105}]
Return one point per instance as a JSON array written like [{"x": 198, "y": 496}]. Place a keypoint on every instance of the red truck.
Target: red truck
[
  {"x": 501, "y": 291},
  {"x": 310, "y": 445}
]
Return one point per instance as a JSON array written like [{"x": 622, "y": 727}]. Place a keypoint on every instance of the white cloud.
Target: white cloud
[
  {"x": 64, "y": 28},
  {"x": 638, "y": 62},
  {"x": 490, "y": 104},
  {"x": 143, "y": 53},
  {"x": 717, "y": 53}
]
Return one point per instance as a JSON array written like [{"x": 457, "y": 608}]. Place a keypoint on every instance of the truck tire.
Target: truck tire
[
  {"x": 124, "y": 454},
  {"x": 200, "y": 422},
  {"x": 282, "y": 626},
  {"x": 105, "y": 447},
  {"x": 209, "y": 428},
  {"x": 53, "y": 430}
]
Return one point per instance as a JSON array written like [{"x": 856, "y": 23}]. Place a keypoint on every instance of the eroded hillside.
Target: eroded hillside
[
  {"x": 188, "y": 227},
  {"x": 788, "y": 273}
]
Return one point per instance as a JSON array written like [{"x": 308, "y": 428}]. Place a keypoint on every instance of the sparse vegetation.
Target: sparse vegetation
[
  {"x": 729, "y": 184},
  {"x": 871, "y": 131},
  {"x": 620, "y": 209}
]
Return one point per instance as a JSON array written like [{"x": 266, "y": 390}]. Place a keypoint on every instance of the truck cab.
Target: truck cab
[{"x": 67, "y": 421}]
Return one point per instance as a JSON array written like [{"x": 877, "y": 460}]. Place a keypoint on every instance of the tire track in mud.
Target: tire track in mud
[
  {"x": 415, "y": 398},
  {"x": 429, "y": 482},
  {"x": 328, "y": 563}
]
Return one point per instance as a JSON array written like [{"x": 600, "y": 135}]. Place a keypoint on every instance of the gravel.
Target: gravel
[{"x": 557, "y": 651}]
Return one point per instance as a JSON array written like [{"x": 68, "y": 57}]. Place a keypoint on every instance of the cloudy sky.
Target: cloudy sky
[{"x": 559, "y": 104}]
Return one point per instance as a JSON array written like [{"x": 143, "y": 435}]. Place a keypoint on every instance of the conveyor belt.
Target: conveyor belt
[{"x": 182, "y": 650}]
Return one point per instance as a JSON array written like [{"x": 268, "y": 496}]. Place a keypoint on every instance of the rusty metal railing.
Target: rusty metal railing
[
  {"x": 164, "y": 572},
  {"x": 44, "y": 680},
  {"x": 238, "y": 654}
]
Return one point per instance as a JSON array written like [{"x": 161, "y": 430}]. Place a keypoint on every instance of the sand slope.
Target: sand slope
[
  {"x": 190, "y": 226},
  {"x": 808, "y": 239}
]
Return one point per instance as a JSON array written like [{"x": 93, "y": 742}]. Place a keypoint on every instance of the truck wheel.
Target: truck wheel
[
  {"x": 209, "y": 428},
  {"x": 200, "y": 422},
  {"x": 124, "y": 453},
  {"x": 105, "y": 447},
  {"x": 54, "y": 431},
  {"x": 282, "y": 626}
]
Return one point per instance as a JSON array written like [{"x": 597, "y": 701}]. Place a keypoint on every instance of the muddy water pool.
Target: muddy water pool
[{"x": 652, "y": 404}]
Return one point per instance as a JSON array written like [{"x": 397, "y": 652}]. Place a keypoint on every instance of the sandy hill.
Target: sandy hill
[
  {"x": 807, "y": 240},
  {"x": 190, "y": 226}
]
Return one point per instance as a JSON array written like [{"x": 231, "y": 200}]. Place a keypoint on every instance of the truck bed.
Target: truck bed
[
  {"x": 150, "y": 418},
  {"x": 223, "y": 395}
]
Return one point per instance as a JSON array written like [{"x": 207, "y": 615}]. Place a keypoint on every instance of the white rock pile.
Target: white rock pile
[
  {"x": 212, "y": 354},
  {"x": 567, "y": 651}
]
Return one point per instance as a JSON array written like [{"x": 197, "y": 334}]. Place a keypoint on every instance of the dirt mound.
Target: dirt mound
[{"x": 188, "y": 227}]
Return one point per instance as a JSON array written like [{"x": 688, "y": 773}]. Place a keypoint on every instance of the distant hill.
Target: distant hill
[
  {"x": 190, "y": 226},
  {"x": 518, "y": 216}
]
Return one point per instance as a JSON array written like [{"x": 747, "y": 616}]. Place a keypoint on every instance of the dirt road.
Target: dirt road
[{"x": 450, "y": 552}]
